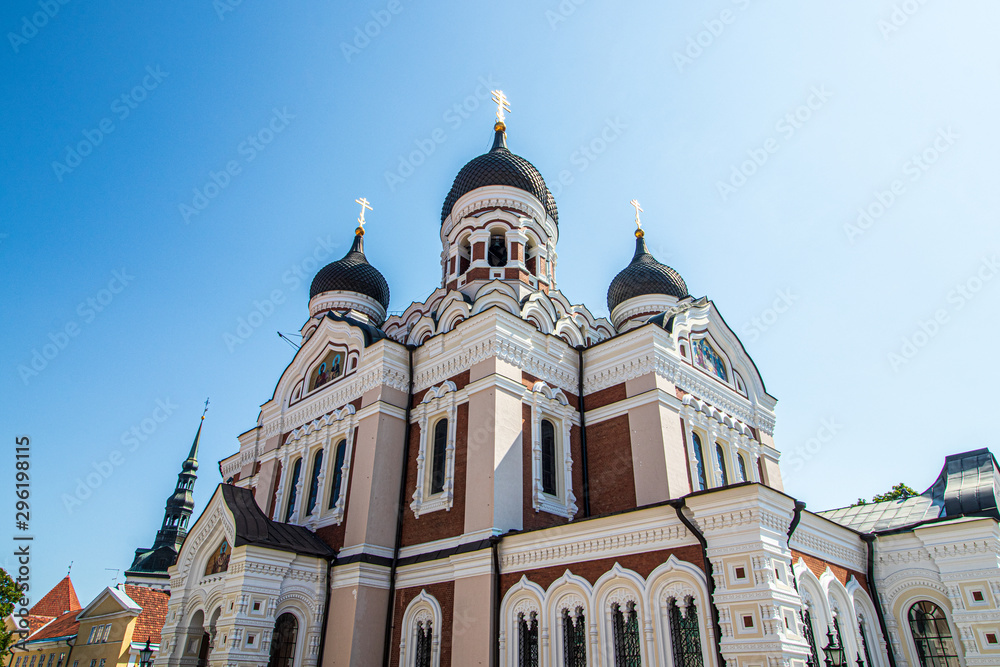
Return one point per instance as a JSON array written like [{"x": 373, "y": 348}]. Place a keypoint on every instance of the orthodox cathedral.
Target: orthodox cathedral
[{"x": 495, "y": 476}]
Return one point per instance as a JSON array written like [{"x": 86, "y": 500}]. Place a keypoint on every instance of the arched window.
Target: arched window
[
  {"x": 574, "y": 638},
  {"x": 720, "y": 457},
  {"x": 548, "y": 458},
  {"x": 314, "y": 482},
  {"x": 625, "y": 628},
  {"x": 684, "y": 635},
  {"x": 439, "y": 452},
  {"x": 932, "y": 636},
  {"x": 296, "y": 471},
  {"x": 497, "y": 252},
  {"x": 699, "y": 461},
  {"x": 286, "y": 628},
  {"x": 338, "y": 472},
  {"x": 810, "y": 636},
  {"x": 424, "y": 641},
  {"x": 863, "y": 632},
  {"x": 218, "y": 562},
  {"x": 527, "y": 639},
  {"x": 741, "y": 465}
]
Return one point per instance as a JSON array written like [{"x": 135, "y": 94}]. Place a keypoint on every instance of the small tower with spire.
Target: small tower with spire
[{"x": 149, "y": 568}]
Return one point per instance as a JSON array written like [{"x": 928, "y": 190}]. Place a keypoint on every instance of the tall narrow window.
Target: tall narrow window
[
  {"x": 932, "y": 636},
  {"x": 286, "y": 628},
  {"x": 699, "y": 461},
  {"x": 338, "y": 472},
  {"x": 684, "y": 634},
  {"x": 625, "y": 628},
  {"x": 810, "y": 636},
  {"x": 527, "y": 640},
  {"x": 314, "y": 482},
  {"x": 438, "y": 456},
  {"x": 574, "y": 638},
  {"x": 548, "y": 458},
  {"x": 720, "y": 457},
  {"x": 741, "y": 465},
  {"x": 864, "y": 641},
  {"x": 425, "y": 636},
  {"x": 296, "y": 471}
]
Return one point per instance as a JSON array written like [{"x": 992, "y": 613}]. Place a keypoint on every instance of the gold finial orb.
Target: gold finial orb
[
  {"x": 639, "y": 233},
  {"x": 499, "y": 127}
]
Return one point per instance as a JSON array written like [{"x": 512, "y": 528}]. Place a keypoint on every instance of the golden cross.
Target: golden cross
[
  {"x": 638, "y": 209},
  {"x": 364, "y": 205},
  {"x": 502, "y": 104}
]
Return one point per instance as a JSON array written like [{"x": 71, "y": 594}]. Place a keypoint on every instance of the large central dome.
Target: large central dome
[{"x": 500, "y": 167}]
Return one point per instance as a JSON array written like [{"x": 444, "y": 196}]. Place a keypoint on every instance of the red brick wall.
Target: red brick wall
[
  {"x": 605, "y": 397},
  {"x": 440, "y": 524},
  {"x": 643, "y": 563},
  {"x": 444, "y": 593},
  {"x": 818, "y": 566},
  {"x": 609, "y": 457}
]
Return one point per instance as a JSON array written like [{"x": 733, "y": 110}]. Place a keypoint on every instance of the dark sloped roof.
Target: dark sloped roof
[
  {"x": 500, "y": 167},
  {"x": 352, "y": 273},
  {"x": 371, "y": 333},
  {"x": 253, "y": 528},
  {"x": 967, "y": 486},
  {"x": 644, "y": 275}
]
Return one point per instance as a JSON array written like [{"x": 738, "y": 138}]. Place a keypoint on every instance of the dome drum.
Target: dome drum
[{"x": 364, "y": 307}]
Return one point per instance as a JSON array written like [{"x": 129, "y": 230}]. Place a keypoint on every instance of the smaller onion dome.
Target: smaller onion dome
[
  {"x": 644, "y": 276},
  {"x": 352, "y": 274}
]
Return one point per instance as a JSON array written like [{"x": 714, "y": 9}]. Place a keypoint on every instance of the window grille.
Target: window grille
[
  {"x": 425, "y": 636},
  {"x": 527, "y": 640},
  {"x": 283, "y": 641},
  {"x": 684, "y": 635},
  {"x": 811, "y": 638},
  {"x": 574, "y": 638},
  {"x": 932, "y": 636},
  {"x": 864, "y": 642},
  {"x": 625, "y": 628}
]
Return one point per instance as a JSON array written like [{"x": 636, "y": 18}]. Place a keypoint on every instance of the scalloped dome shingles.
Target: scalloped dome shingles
[
  {"x": 644, "y": 275},
  {"x": 352, "y": 273},
  {"x": 500, "y": 167}
]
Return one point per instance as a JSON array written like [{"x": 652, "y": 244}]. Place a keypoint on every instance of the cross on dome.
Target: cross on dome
[
  {"x": 638, "y": 210},
  {"x": 361, "y": 218},
  {"x": 502, "y": 105}
]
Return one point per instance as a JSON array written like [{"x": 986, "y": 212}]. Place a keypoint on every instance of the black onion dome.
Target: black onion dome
[
  {"x": 500, "y": 167},
  {"x": 644, "y": 275},
  {"x": 353, "y": 273}
]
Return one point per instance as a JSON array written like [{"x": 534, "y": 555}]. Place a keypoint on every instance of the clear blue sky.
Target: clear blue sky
[{"x": 884, "y": 87}]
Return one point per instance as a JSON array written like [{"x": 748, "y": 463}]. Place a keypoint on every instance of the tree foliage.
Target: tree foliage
[
  {"x": 899, "y": 492},
  {"x": 10, "y": 593}
]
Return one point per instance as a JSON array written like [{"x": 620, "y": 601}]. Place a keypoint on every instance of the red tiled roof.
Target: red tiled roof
[
  {"x": 59, "y": 600},
  {"x": 64, "y": 626},
  {"x": 154, "y": 612},
  {"x": 35, "y": 621}
]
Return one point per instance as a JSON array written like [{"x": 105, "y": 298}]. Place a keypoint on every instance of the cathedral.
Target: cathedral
[{"x": 495, "y": 476}]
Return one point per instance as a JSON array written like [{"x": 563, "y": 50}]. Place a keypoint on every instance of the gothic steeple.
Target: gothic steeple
[{"x": 152, "y": 564}]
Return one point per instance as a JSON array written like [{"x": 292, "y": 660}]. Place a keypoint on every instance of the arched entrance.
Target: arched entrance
[{"x": 286, "y": 629}]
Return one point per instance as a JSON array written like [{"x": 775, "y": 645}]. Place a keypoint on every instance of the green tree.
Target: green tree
[
  {"x": 10, "y": 593},
  {"x": 899, "y": 492}
]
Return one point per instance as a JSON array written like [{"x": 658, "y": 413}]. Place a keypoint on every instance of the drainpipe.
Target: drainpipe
[
  {"x": 583, "y": 438},
  {"x": 796, "y": 517},
  {"x": 495, "y": 548},
  {"x": 399, "y": 516},
  {"x": 678, "y": 506},
  {"x": 326, "y": 608},
  {"x": 870, "y": 538}
]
